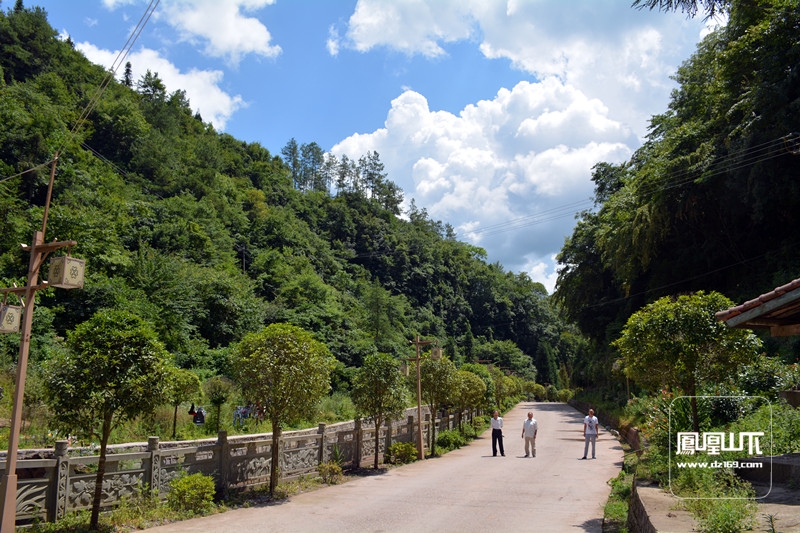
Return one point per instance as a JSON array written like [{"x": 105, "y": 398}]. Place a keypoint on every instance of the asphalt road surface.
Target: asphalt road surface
[{"x": 466, "y": 490}]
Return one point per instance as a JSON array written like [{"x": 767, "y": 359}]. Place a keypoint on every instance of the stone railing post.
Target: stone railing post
[
  {"x": 388, "y": 441},
  {"x": 322, "y": 456},
  {"x": 224, "y": 451},
  {"x": 428, "y": 427},
  {"x": 59, "y": 492},
  {"x": 358, "y": 438},
  {"x": 153, "y": 474}
]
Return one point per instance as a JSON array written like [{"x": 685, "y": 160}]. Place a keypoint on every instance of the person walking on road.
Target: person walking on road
[
  {"x": 497, "y": 434},
  {"x": 591, "y": 428},
  {"x": 529, "y": 429}
]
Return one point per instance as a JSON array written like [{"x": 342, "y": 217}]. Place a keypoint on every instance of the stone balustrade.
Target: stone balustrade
[{"x": 52, "y": 483}]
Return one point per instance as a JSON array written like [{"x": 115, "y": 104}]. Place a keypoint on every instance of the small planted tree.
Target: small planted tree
[
  {"x": 437, "y": 378},
  {"x": 379, "y": 392},
  {"x": 218, "y": 390},
  {"x": 468, "y": 393},
  {"x": 678, "y": 342},
  {"x": 182, "y": 385},
  {"x": 115, "y": 371},
  {"x": 288, "y": 372}
]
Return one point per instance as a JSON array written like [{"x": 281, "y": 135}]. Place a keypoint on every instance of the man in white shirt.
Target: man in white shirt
[
  {"x": 497, "y": 434},
  {"x": 529, "y": 430},
  {"x": 591, "y": 428}
]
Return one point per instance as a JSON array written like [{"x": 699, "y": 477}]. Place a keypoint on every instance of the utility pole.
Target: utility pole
[
  {"x": 39, "y": 251},
  {"x": 420, "y": 441}
]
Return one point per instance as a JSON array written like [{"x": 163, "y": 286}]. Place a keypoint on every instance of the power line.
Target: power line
[
  {"x": 110, "y": 75},
  {"x": 732, "y": 162}
]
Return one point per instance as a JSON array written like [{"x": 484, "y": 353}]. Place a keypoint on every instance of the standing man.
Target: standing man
[
  {"x": 591, "y": 428},
  {"x": 529, "y": 429},
  {"x": 497, "y": 434}
]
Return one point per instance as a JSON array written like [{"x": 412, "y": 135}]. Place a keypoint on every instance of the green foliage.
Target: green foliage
[
  {"x": 116, "y": 370},
  {"x": 287, "y": 371},
  {"x": 565, "y": 395},
  {"x": 450, "y": 440},
  {"x": 438, "y": 382},
  {"x": 208, "y": 238},
  {"x": 402, "y": 452},
  {"x": 192, "y": 493},
  {"x": 539, "y": 392},
  {"x": 331, "y": 473},
  {"x": 218, "y": 390},
  {"x": 615, "y": 512},
  {"x": 379, "y": 392},
  {"x": 679, "y": 343}
]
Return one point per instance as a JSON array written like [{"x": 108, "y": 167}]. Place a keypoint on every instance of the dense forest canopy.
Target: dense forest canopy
[
  {"x": 711, "y": 201},
  {"x": 209, "y": 238}
]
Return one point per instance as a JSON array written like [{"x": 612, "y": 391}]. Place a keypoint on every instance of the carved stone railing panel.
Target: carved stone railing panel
[{"x": 61, "y": 481}]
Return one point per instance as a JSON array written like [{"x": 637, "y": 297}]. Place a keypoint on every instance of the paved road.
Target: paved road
[{"x": 464, "y": 491}]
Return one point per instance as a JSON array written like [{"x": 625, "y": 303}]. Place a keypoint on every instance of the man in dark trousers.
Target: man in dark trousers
[{"x": 497, "y": 434}]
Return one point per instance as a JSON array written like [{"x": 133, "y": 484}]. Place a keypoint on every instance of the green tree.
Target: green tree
[
  {"x": 690, "y": 7},
  {"x": 182, "y": 385},
  {"x": 678, "y": 342},
  {"x": 285, "y": 369},
  {"x": 379, "y": 392},
  {"x": 116, "y": 370},
  {"x": 468, "y": 392},
  {"x": 218, "y": 390},
  {"x": 437, "y": 379}
]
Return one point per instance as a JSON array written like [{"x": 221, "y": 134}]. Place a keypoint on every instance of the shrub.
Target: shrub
[
  {"x": 565, "y": 395},
  {"x": 193, "y": 494},
  {"x": 539, "y": 392},
  {"x": 552, "y": 393},
  {"x": 331, "y": 473},
  {"x": 402, "y": 452},
  {"x": 450, "y": 440}
]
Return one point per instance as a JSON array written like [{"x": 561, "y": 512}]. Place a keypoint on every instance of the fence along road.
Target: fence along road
[{"x": 466, "y": 490}]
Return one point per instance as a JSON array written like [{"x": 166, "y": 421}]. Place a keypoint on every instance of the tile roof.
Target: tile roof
[{"x": 778, "y": 310}]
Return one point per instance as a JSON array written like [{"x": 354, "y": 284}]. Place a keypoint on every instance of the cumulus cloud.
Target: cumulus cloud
[
  {"x": 221, "y": 26},
  {"x": 202, "y": 87},
  {"x": 411, "y": 26},
  {"x": 509, "y": 173},
  {"x": 496, "y": 170}
]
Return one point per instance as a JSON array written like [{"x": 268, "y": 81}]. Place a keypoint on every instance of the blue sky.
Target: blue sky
[{"x": 490, "y": 114}]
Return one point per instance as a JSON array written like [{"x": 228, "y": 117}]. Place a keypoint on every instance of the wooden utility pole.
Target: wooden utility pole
[{"x": 420, "y": 441}]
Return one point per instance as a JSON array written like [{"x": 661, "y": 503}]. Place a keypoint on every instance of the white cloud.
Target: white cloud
[
  {"x": 611, "y": 52},
  {"x": 411, "y": 26},
  {"x": 332, "y": 43},
  {"x": 219, "y": 26},
  {"x": 510, "y": 173},
  {"x": 202, "y": 87},
  {"x": 494, "y": 170}
]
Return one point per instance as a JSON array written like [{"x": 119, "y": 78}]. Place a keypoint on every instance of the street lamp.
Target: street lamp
[{"x": 39, "y": 251}]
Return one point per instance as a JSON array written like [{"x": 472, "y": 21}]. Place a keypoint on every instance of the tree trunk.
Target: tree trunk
[
  {"x": 101, "y": 470},
  {"x": 174, "y": 422},
  {"x": 274, "y": 471}
]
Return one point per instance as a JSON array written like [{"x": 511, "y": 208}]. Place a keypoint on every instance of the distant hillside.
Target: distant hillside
[{"x": 209, "y": 237}]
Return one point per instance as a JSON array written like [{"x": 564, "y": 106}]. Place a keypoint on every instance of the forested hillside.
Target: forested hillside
[
  {"x": 208, "y": 237},
  {"x": 711, "y": 201}
]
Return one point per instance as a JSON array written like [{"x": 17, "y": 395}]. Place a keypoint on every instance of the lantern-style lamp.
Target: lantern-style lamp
[
  {"x": 10, "y": 318},
  {"x": 66, "y": 272}
]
